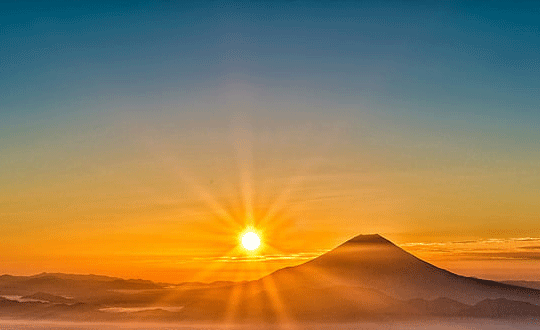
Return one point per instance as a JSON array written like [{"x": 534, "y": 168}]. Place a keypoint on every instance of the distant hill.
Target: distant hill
[
  {"x": 502, "y": 308},
  {"x": 70, "y": 285},
  {"x": 438, "y": 307}
]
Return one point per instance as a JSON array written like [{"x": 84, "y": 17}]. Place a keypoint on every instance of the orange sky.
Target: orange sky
[{"x": 165, "y": 200}]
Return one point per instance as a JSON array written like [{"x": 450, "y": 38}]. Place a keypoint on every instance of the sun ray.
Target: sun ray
[
  {"x": 233, "y": 302},
  {"x": 215, "y": 266},
  {"x": 189, "y": 179},
  {"x": 297, "y": 180},
  {"x": 325, "y": 278},
  {"x": 228, "y": 221},
  {"x": 280, "y": 202},
  {"x": 285, "y": 320},
  {"x": 243, "y": 144}
]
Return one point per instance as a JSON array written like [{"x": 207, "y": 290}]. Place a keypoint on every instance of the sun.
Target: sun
[{"x": 250, "y": 241}]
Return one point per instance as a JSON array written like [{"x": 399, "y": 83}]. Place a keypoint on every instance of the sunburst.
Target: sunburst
[{"x": 253, "y": 229}]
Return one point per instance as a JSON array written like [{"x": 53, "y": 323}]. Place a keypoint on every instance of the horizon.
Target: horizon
[
  {"x": 365, "y": 279},
  {"x": 348, "y": 241}
]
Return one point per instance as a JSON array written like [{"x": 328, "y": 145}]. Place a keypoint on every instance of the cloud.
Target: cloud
[
  {"x": 527, "y": 239},
  {"x": 534, "y": 247},
  {"x": 479, "y": 241},
  {"x": 515, "y": 248},
  {"x": 424, "y": 244},
  {"x": 139, "y": 309},
  {"x": 502, "y": 255},
  {"x": 273, "y": 257}
]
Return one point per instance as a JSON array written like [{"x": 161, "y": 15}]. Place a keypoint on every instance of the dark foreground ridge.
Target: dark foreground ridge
[{"x": 365, "y": 278}]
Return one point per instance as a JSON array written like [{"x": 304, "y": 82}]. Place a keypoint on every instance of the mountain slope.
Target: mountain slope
[
  {"x": 525, "y": 284},
  {"x": 371, "y": 261}
]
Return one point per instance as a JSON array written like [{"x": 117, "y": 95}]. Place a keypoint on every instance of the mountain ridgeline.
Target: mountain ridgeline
[
  {"x": 371, "y": 261},
  {"x": 365, "y": 278}
]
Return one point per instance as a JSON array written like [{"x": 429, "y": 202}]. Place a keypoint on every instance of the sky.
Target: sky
[{"x": 140, "y": 139}]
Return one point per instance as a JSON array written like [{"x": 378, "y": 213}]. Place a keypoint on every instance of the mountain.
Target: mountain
[
  {"x": 502, "y": 308},
  {"x": 70, "y": 285},
  {"x": 438, "y": 307},
  {"x": 365, "y": 278},
  {"x": 371, "y": 261}
]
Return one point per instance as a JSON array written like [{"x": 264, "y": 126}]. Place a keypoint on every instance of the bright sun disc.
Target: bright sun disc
[{"x": 250, "y": 241}]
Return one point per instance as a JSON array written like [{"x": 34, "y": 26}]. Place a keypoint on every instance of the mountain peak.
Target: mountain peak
[
  {"x": 371, "y": 252},
  {"x": 368, "y": 239}
]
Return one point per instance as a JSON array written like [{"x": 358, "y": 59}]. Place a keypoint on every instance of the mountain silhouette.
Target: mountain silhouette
[
  {"x": 70, "y": 285},
  {"x": 502, "y": 308},
  {"x": 437, "y": 307},
  {"x": 371, "y": 261},
  {"x": 367, "y": 277}
]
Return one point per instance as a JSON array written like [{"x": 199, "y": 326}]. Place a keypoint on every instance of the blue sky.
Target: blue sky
[{"x": 436, "y": 59}]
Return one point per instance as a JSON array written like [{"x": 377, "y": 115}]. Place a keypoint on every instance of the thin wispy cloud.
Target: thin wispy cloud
[
  {"x": 514, "y": 248},
  {"x": 536, "y": 247},
  {"x": 478, "y": 241},
  {"x": 262, "y": 258}
]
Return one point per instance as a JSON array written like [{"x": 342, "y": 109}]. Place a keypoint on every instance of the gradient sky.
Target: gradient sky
[{"x": 139, "y": 140}]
